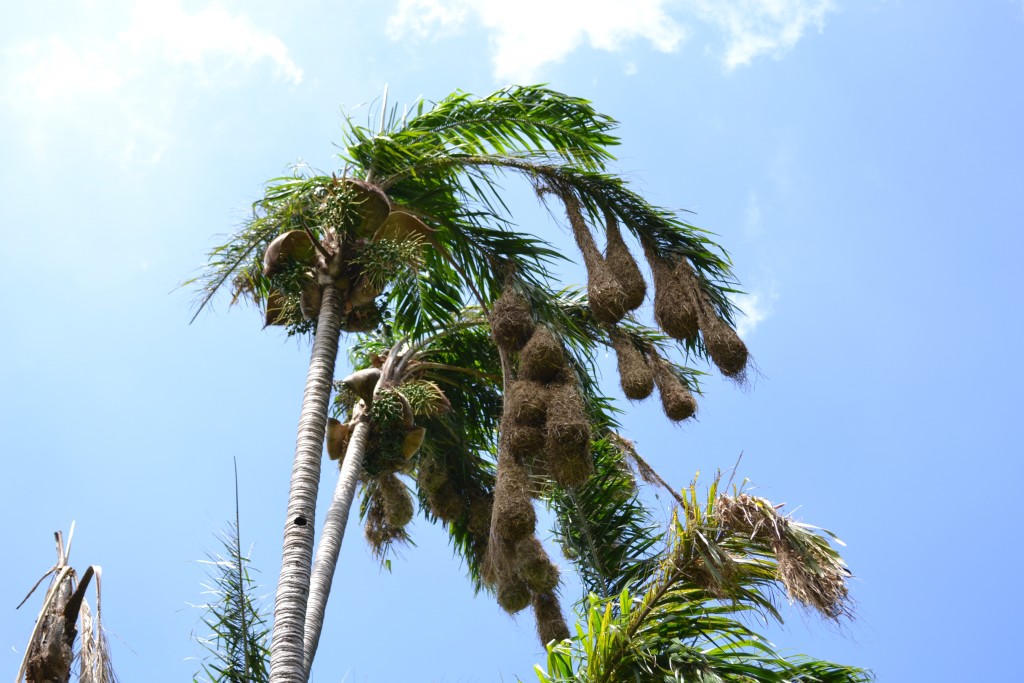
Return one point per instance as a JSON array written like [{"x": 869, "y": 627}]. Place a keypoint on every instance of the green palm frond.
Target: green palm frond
[
  {"x": 236, "y": 645},
  {"x": 603, "y": 528},
  {"x": 684, "y": 621},
  {"x": 513, "y": 120}
]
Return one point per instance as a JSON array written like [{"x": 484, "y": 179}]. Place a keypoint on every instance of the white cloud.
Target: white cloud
[
  {"x": 116, "y": 86},
  {"x": 210, "y": 35},
  {"x": 756, "y": 307},
  {"x": 528, "y": 35},
  {"x": 754, "y": 28}
]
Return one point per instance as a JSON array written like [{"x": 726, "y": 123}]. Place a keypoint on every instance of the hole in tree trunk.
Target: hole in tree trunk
[{"x": 300, "y": 521}]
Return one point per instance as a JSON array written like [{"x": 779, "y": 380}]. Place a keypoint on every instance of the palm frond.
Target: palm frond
[{"x": 236, "y": 644}]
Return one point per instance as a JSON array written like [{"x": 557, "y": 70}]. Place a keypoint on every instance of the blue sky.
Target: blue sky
[{"x": 863, "y": 162}]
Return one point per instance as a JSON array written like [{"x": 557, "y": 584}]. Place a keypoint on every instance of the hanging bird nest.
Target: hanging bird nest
[
  {"x": 446, "y": 503},
  {"x": 605, "y": 295},
  {"x": 513, "y": 594},
  {"x": 675, "y": 306},
  {"x": 433, "y": 479},
  {"x": 480, "y": 505},
  {"x": 623, "y": 266},
  {"x": 513, "y": 517},
  {"x": 379, "y": 532},
  {"x": 676, "y": 399},
  {"x": 542, "y": 357},
  {"x": 568, "y": 436},
  {"x": 724, "y": 346},
  {"x": 398, "y": 505},
  {"x": 534, "y": 565},
  {"x": 551, "y": 624},
  {"x": 526, "y": 403},
  {"x": 523, "y": 442},
  {"x": 511, "y": 322},
  {"x": 635, "y": 375},
  {"x": 431, "y": 473}
]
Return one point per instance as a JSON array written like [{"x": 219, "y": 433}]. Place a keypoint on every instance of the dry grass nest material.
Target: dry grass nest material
[
  {"x": 513, "y": 594},
  {"x": 676, "y": 400},
  {"x": 813, "y": 574},
  {"x": 635, "y": 374},
  {"x": 398, "y": 505},
  {"x": 535, "y": 566},
  {"x": 513, "y": 517},
  {"x": 511, "y": 322},
  {"x": 605, "y": 295},
  {"x": 624, "y": 267},
  {"x": 551, "y": 624},
  {"x": 675, "y": 302},
  {"x": 524, "y": 443},
  {"x": 526, "y": 403},
  {"x": 568, "y": 436},
  {"x": 725, "y": 347},
  {"x": 543, "y": 357},
  {"x": 380, "y": 534}
]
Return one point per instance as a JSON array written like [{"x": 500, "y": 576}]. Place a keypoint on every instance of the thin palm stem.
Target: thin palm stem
[{"x": 330, "y": 541}]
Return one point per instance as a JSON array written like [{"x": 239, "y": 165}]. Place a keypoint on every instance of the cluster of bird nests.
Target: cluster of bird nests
[
  {"x": 616, "y": 286},
  {"x": 545, "y": 436}
]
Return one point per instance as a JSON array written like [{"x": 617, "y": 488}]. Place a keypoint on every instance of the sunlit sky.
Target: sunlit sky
[{"x": 863, "y": 163}]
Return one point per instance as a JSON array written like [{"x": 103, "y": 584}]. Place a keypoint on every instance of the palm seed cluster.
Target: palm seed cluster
[{"x": 393, "y": 441}]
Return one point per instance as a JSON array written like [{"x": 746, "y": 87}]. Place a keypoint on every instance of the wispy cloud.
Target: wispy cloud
[
  {"x": 756, "y": 307},
  {"x": 528, "y": 35},
  {"x": 753, "y": 28},
  {"x": 117, "y": 85}
]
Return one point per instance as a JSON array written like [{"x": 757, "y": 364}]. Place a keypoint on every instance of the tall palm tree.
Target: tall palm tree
[{"x": 412, "y": 230}]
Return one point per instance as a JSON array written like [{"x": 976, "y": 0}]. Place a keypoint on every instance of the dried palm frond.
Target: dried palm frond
[
  {"x": 813, "y": 573},
  {"x": 51, "y": 647}
]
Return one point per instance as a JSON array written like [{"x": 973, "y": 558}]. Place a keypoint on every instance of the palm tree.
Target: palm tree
[{"x": 413, "y": 240}]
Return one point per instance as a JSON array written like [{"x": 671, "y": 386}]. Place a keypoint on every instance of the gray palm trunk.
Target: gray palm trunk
[
  {"x": 286, "y": 648},
  {"x": 330, "y": 540}
]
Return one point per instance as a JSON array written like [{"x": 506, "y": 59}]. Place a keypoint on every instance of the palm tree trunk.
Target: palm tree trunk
[
  {"x": 286, "y": 648},
  {"x": 330, "y": 540}
]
